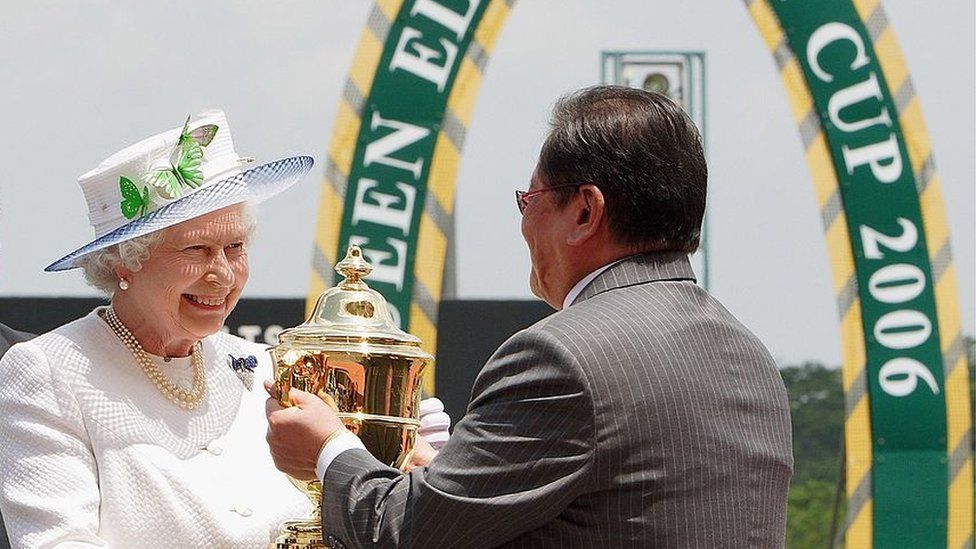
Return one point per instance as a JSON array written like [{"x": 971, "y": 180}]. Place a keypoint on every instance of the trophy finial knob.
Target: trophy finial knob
[{"x": 354, "y": 267}]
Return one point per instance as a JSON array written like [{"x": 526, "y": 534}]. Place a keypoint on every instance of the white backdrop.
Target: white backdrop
[{"x": 83, "y": 79}]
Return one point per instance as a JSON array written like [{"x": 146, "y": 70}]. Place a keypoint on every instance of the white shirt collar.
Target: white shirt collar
[{"x": 578, "y": 288}]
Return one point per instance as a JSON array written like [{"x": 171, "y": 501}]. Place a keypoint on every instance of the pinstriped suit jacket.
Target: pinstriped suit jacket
[{"x": 644, "y": 415}]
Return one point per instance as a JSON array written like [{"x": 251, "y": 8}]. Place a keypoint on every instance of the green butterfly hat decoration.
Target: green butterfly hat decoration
[
  {"x": 168, "y": 183},
  {"x": 134, "y": 202}
]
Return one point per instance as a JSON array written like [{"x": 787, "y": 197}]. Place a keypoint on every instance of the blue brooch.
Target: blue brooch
[{"x": 244, "y": 368}]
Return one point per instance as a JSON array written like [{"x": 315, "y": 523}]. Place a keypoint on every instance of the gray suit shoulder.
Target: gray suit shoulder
[{"x": 662, "y": 316}]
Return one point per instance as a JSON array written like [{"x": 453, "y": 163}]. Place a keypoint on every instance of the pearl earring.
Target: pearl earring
[{"x": 123, "y": 284}]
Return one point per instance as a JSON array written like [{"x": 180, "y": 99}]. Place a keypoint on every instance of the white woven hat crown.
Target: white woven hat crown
[{"x": 138, "y": 162}]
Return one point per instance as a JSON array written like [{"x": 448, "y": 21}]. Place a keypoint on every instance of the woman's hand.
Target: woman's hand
[
  {"x": 433, "y": 433},
  {"x": 434, "y": 423}
]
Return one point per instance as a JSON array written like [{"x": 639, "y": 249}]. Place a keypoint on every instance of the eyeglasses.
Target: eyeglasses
[{"x": 522, "y": 197}]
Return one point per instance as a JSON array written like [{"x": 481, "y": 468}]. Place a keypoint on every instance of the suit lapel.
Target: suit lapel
[{"x": 640, "y": 269}]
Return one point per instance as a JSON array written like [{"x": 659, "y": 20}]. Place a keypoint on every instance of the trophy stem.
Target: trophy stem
[
  {"x": 299, "y": 534},
  {"x": 305, "y": 533}
]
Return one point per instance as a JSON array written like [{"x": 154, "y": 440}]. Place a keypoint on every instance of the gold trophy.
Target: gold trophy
[{"x": 351, "y": 354}]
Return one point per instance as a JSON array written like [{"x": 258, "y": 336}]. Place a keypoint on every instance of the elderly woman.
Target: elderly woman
[{"x": 137, "y": 425}]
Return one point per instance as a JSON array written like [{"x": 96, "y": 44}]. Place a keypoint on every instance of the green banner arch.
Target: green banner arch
[{"x": 389, "y": 187}]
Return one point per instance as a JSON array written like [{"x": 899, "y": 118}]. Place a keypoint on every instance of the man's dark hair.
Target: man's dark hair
[{"x": 643, "y": 153}]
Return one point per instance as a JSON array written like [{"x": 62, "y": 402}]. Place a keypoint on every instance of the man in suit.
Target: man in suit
[{"x": 642, "y": 414}]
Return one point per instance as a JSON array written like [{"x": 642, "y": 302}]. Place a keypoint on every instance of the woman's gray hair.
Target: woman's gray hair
[{"x": 99, "y": 266}]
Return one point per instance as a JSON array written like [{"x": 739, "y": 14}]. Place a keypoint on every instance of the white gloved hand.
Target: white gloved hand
[{"x": 434, "y": 422}]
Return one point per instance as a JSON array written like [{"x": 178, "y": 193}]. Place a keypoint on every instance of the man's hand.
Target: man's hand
[{"x": 296, "y": 433}]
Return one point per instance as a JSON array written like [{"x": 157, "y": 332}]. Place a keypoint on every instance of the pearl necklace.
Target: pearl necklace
[{"x": 183, "y": 398}]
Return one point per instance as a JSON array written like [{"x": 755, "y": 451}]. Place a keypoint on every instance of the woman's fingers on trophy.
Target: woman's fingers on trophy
[
  {"x": 439, "y": 421},
  {"x": 431, "y": 406},
  {"x": 437, "y": 439},
  {"x": 435, "y": 423}
]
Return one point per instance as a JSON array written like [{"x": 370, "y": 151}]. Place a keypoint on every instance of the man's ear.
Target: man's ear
[{"x": 590, "y": 214}]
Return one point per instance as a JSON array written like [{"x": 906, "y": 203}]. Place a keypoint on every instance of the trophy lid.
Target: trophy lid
[{"x": 350, "y": 312}]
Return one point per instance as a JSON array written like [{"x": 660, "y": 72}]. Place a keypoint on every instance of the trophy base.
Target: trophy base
[{"x": 299, "y": 534}]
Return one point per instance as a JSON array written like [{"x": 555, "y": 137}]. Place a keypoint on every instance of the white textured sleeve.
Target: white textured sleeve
[{"x": 48, "y": 478}]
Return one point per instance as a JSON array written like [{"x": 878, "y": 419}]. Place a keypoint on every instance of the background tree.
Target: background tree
[{"x": 817, "y": 406}]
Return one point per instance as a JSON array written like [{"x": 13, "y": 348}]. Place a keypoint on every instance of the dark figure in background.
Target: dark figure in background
[
  {"x": 642, "y": 414},
  {"x": 8, "y": 337}
]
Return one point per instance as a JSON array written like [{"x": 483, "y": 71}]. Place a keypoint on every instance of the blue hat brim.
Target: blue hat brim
[{"x": 252, "y": 185}]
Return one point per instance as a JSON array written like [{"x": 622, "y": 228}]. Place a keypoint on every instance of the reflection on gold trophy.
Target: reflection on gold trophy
[{"x": 351, "y": 354}]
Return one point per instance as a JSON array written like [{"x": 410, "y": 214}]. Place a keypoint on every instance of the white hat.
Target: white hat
[{"x": 172, "y": 177}]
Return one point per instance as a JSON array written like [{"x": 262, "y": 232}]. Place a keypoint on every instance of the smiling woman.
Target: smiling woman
[
  {"x": 186, "y": 279},
  {"x": 137, "y": 426}
]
